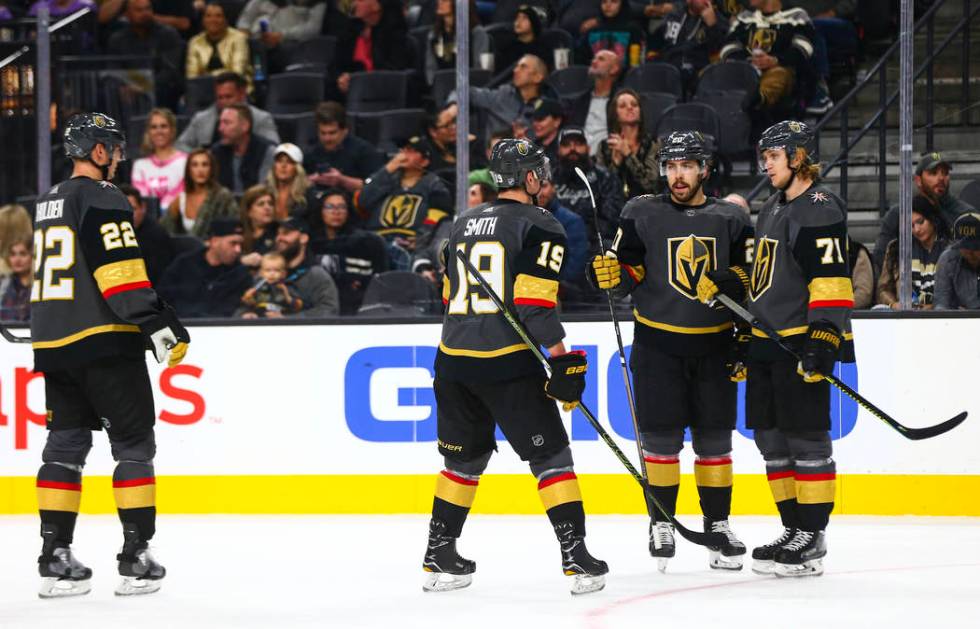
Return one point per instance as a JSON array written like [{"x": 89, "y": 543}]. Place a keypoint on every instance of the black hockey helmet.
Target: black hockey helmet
[
  {"x": 683, "y": 145},
  {"x": 789, "y": 135},
  {"x": 512, "y": 159},
  {"x": 84, "y": 131}
]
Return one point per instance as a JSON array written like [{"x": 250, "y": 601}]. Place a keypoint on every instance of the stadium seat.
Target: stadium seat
[
  {"x": 294, "y": 92},
  {"x": 400, "y": 294},
  {"x": 655, "y": 77},
  {"x": 388, "y": 129},
  {"x": 687, "y": 116},
  {"x": 444, "y": 83},
  {"x": 377, "y": 91},
  {"x": 571, "y": 81},
  {"x": 653, "y": 105},
  {"x": 199, "y": 94},
  {"x": 971, "y": 194},
  {"x": 735, "y": 125},
  {"x": 300, "y": 129},
  {"x": 233, "y": 9},
  {"x": 729, "y": 76},
  {"x": 313, "y": 55}
]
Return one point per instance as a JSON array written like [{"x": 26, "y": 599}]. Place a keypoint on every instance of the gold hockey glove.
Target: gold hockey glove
[{"x": 605, "y": 272}]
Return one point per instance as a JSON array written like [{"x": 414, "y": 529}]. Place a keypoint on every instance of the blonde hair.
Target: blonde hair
[
  {"x": 808, "y": 169},
  {"x": 147, "y": 147},
  {"x": 297, "y": 187},
  {"x": 274, "y": 256},
  {"x": 15, "y": 226}
]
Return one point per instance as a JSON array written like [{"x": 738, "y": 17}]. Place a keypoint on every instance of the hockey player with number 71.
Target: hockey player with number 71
[{"x": 800, "y": 287}]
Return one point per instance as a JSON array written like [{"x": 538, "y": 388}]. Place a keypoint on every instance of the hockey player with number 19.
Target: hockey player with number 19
[{"x": 800, "y": 286}]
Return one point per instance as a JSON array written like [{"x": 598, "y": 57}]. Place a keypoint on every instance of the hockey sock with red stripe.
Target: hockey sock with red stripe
[
  {"x": 134, "y": 488},
  {"x": 59, "y": 494},
  {"x": 664, "y": 476},
  {"x": 782, "y": 483},
  {"x": 816, "y": 482},
  {"x": 714, "y": 479},
  {"x": 454, "y": 496},
  {"x": 562, "y": 499}
]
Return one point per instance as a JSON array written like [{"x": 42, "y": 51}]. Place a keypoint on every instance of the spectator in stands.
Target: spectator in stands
[
  {"x": 313, "y": 283},
  {"x": 350, "y": 254},
  {"x": 614, "y": 30},
  {"x": 209, "y": 282},
  {"x": 229, "y": 89},
  {"x": 629, "y": 151},
  {"x": 511, "y": 104},
  {"x": 377, "y": 39},
  {"x": 483, "y": 174},
  {"x": 259, "y": 225},
  {"x": 958, "y": 271},
  {"x": 835, "y": 35},
  {"x": 218, "y": 49},
  {"x": 572, "y": 274},
  {"x": 243, "y": 158},
  {"x": 160, "y": 173},
  {"x": 146, "y": 37},
  {"x": 546, "y": 121},
  {"x": 589, "y": 110},
  {"x": 928, "y": 244},
  {"x": 862, "y": 274},
  {"x": 650, "y": 14},
  {"x": 573, "y": 151},
  {"x": 15, "y": 224},
  {"x": 687, "y": 38},
  {"x": 404, "y": 202},
  {"x": 578, "y": 18},
  {"x": 524, "y": 39},
  {"x": 61, "y": 8},
  {"x": 155, "y": 243},
  {"x": 441, "y": 130},
  {"x": 202, "y": 200},
  {"x": 270, "y": 297},
  {"x": 778, "y": 43},
  {"x": 932, "y": 181},
  {"x": 339, "y": 159},
  {"x": 281, "y": 25},
  {"x": 288, "y": 179},
  {"x": 481, "y": 192},
  {"x": 440, "y": 47},
  {"x": 15, "y": 286}
]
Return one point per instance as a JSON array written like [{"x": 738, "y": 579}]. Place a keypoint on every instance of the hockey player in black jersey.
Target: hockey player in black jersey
[
  {"x": 486, "y": 376},
  {"x": 683, "y": 358},
  {"x": 800, "y": 285},
  {"x": 93, "y": 315}
]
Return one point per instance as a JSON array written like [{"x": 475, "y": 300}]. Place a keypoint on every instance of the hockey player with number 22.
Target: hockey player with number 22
[
  {"x": 799, "y": 286},
  {"x": 93, "y": 316},
  {"x": 685, "y": 358},
  {"x": 486, "y": 376}
]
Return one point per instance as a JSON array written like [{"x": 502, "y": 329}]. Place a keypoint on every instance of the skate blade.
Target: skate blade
[
  {"x": 765, "y": 567},
  {"x": 133, "y": 586},
  {"x": 445, "y": 582},
  {"x": 587, "y": 583},
  {"x": 721, "y": 562},
  {"x": 662, "y": 564},
  {"x": 52, "y": 587},
  {"x": 812, "y": 568}
]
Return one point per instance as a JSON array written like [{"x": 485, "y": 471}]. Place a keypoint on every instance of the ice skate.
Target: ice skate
[
  {"x": 662, "y": 543},
  {"x": 730, "y": 555},
  {"x": 141, "y": 574},
  {"x": 448, "y": 570},
  {"x": 61, "y": 574},
  {"x": 586, "y": 571},
  {"x": 802, "y": 556},
  {"x": 763, "y": 557}
]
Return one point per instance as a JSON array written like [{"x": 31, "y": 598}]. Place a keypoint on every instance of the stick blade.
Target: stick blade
[
  {"x": 701, "y": 539},
  {"x": 916, "y": 434}
]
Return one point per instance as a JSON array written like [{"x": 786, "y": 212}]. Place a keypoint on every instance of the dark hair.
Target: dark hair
[
  {"x": 432, "y": 118},
  {"x": 499, "y": 134},
  {"x": 130, "y": 191},
  {"x": 331, "y": 112},
  {"x": 612, "y": 117},
  {"x": 231, "y": 77},
  {"x": 212, "y": 181},
  {"x": 243, "y": 111},
  {"x": 439, "y": 26},
  {"x": 315, "y": 215}
]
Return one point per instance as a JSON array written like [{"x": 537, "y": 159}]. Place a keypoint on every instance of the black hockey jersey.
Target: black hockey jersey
[
  {"x": 90, "y": 291},
  {"x": 787, "y": 35},
  {"x": 519, "y": 250},
  {"x": 664, "y": 249},
  {"x": 800, "y": 273}
]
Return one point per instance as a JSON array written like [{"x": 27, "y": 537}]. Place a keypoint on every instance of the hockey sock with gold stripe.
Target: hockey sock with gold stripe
[
  {"x": 816, "y": 482},
  {"x": 59, "y": 494},
  {"x": 134, "y": 488},
  {"x": 562, "y": 499},
  {"x": 714, "y": 480},
  {"x": 782, "y": 483},
  {"x": 664, "y": 476},
  {"x": 455, "y": 493}
]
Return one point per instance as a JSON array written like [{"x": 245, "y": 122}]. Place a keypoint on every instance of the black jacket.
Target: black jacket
[
  {"x": 196, "y": 289},
  {"x": 356, "y": 256},
  {"x": 251, "y": 165}
]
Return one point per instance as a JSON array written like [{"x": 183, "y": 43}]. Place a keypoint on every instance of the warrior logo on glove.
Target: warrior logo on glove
[{"x": 689, "y": 259}]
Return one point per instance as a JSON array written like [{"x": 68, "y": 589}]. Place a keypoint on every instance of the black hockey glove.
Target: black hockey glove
[
  {"x": 567, "y": 380},
  {"x": 737, "y": 351},
  {"x": 732, "y": 282},
  {"x": 166, "y": 336},
  {"x": 819, "y": 351}
]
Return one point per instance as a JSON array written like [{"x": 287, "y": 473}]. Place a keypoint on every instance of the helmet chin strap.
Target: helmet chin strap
[{"x": 103, "y": 169}]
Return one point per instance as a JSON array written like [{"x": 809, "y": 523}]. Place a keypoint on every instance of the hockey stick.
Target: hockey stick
[
  {"x": 909, "y": 433},
  {"x": 10, "y": 337},
  {"x": 702, "y": 539},
  {"x": 627, "y": 383}
]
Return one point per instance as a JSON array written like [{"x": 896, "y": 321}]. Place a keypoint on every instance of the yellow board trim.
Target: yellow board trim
[
  {"x": 713, "y": 475},
  {"x": 831, "y": 288},
  {"x": 138, "y": 497},
  {"x": 472, "y": 353},
  {"x": 78, "y": 336},
  {"x": 531, "y": 287},
  {"x": 857, "y": 494},
  {"x": 681, "y": 329},
  {"x": 115, "y": 274},
  {"x": 455, "y": 493},
  {"x": 560, "y": 493}
]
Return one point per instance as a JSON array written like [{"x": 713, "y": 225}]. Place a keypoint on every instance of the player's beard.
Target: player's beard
[{"x": 685, "y": 195}]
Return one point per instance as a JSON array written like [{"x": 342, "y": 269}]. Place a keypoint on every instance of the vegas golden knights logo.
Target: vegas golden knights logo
[
  {"x": 763, "y": 38},
  {"x": 400, "y": 211},
  {"x": 763, "y": 267},
  {"x": 688, "y": 258}
]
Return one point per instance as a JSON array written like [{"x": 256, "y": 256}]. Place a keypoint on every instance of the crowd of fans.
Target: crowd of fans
[{"x": 236, "y": 222}]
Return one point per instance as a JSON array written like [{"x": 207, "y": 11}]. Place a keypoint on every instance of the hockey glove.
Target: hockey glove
[
  {"x": 819, "y": 351},
  {"x": 567, "y": 380},
  {"x": 166, "y": 336},
  {"x": 737, "y": 371},
  {"x": 732, "y": 282},
  {"x": 604, "y": 272}
]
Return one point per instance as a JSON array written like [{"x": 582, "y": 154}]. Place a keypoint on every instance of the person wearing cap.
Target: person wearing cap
[
  {"x": 932, "y": 181},
  {"x": 288, "y": 179},
  {"x": 546, "y": 121},
  {"x": 209, "y": 282},
  {"x": 523, "y": 39},
  {"x": 244, "y": 159},
  {"x": 573, "y": 151},
  {"x": 311, "y": 281},
  {"x": 958, "y": 270},
  {"x": 404, "y": 203},
  {"x": 929, "y": 241},
  {"x": 589, "y": 110}
]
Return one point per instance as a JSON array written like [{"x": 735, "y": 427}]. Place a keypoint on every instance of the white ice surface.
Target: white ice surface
[{"x": 364, "y": 571}]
